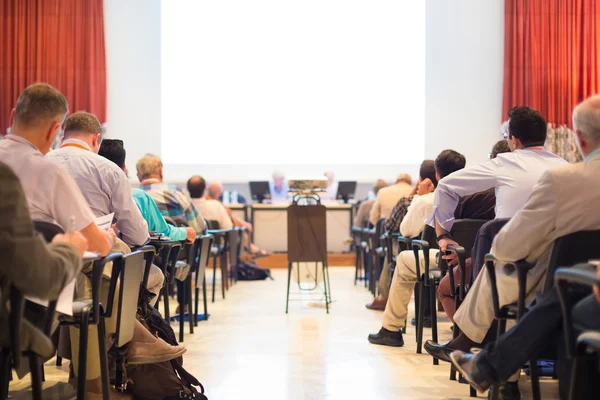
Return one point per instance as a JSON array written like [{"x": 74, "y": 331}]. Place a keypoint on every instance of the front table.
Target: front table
[{"x": 270, "y": 227}]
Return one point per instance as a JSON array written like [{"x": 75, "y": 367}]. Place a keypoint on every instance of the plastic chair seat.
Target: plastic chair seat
[
  {"x": 591, "y": 339},
  {"x": 79, "y": 305},
  {"x": 436, "y": 274}
]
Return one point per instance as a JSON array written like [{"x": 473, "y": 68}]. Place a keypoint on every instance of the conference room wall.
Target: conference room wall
[{"x": 464, "y": 62}]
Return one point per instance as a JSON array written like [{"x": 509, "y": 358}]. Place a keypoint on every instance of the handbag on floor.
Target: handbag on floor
[{"x": 249, "y": 271}]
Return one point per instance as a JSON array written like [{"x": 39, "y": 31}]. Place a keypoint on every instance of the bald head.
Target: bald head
[
  {"x": 215, "y": 189},
  {"x": 586, "y": 121},
  {"x": 196, "y": 185}
]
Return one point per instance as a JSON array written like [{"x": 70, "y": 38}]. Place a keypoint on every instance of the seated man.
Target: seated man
[
  {"x": 425, "y": 186},
  {"x": 404, "y": 278},
  {"x": 211, "y": 210},
  {"x": 215, "y": 192},
  {"x": 364, "y": 211},
  {"x": 550, "y": 212},
  {"x": 172, "y": 202},
  {"x": 389, "y": 196},
  {"x": 279, "y": 188},
  {"x": 483, "y": 244}
]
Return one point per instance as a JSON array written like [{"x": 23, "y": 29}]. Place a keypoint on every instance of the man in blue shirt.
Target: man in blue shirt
[{"x": 279, "y": 188}]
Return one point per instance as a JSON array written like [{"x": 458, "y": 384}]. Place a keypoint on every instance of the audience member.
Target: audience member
[
  {"x": 172, "y": 202},
  {"x": 215, "y": 192},
  {"x": 52, "y": 194},
  {"x": 211, "y": 210},
  {"x": 444, "y": 290},
  {"x": 362, "y": 216},
  {"x": 279, "y": 188},
  {"x": 550, "y": 212},
  {"x": 388, "y": 197},
  {"x": 332, "y": 187},
  {"x": 396, "y": 309}
]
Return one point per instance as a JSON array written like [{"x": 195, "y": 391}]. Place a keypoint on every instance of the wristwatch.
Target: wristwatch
[{"x": 443, "y": 236}]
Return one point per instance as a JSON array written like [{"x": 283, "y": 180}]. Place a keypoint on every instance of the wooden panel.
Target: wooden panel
[{"x": 280, "y": 260}]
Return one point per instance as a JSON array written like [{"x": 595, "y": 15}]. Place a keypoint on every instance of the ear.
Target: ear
[
  {"x": 580, "y": 139},
  {"x": 160, "y": 172},
  {"x": 11, "y": 119},
  {"x": 52, "y": 132},
  {"x": 437, "y": 175}
]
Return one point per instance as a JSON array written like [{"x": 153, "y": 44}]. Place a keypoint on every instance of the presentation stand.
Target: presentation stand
[{"x": 307, "y": 243}]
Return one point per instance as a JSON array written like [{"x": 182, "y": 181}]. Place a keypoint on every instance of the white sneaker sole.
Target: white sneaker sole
[{"x": 156, "y": 359}]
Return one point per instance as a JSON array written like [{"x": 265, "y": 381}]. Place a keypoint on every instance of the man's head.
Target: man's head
[
  {"x": 38, "y": 115},
  {"x": 113, "y": 150},
  {"x": 84, "y": 126},
  {"x": 500, "y": 147},
  {"x": 215, "y": 190},
  {"x": 278, "y": 179},
  {"x": 149, "y": 167},
  {"x": 404, "y": 178},
  {"x": 526, "y": 128},
  {"x": 447, "y": 162},
  {"x": 196, "y": 185},
  {"x": 427, "y": 178},
  {"x": 380, "y": 184},
  {"x": 586, "y": 122}
]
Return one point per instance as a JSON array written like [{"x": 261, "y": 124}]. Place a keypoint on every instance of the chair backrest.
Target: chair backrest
[
  {"x": 47, "y": 229},
  {"x": 464, "y": 232},
  {"x": 376, "y": 234},
  {"x": 15, "y": 319},
  {"x": 206, "y": 242},
  {"x": 568, "y": 250},
  {"x": 235, "y": 245},
  {"x": 212, "y": 224},
  {"x": 429, "y": 236},
  {"x": 130, "y": 270}
]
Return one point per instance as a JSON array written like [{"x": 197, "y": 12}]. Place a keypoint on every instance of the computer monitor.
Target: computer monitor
[
  {"x": 346, "y": 190},
  {"x": 260, "y": 190}
]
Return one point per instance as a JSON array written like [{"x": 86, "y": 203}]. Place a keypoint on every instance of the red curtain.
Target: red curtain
[
  {"x": 551, "y": 55},
  {"x": 60, "y": 42}
]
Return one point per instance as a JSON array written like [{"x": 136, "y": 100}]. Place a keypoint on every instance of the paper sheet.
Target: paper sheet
[
  {"x": 64, "y": 303},
  {"x": 105, "y": 222}
]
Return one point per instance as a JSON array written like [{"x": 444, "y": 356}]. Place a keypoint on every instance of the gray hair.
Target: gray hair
[
  {"x": 148, "y": 166},
  {"x": 40, "y": 103},
  {"x": 404, "y": 178},
  {"x": 586, "y": 117}
]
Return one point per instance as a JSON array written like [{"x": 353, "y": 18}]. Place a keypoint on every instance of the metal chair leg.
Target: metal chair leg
[
  {"x": 83, "y": 343},
  {"x": 196, "y": 303},
  {"x": 535, "y": 378},
  {"x": 287, "y": 297},
  {"x": 5, "y": 372},
  {"x": 433, "y": 305},
  {"x": 188, "y": 293},
  {"x": 325, "y": 286},
  {"x": 181, "y": 300},
  {"x": 58, "y": 361},
  {"x": 205, "y": 299},
  {"x": 214, "y": 278},
  {"x": 103, "y": 359},
  {"x": 36, "y": 378},
  {"x": 494, "y": 389},
  {"x": 420, "y": 319},
  {"x": 166, "y": 301}
]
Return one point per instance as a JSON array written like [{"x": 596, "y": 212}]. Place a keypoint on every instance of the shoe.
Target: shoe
[
  {"x": 113, "y": 395},
  {"x": 387, "y": 338},
  {"x": 154, "y": 352},
  {"x": 439, "y": 351},
  {"x": 185, "y": 310},
  {"x": 426, "y": 322},
  {"x": 466, "y": 364},
  {"x": 377, "y": 304},
  {"x": 508, "y": 391}
]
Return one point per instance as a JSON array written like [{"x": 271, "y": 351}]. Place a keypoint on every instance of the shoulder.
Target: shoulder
[{"x": 7, "y": 174}]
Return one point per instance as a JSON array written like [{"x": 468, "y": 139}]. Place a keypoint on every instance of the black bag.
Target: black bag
[
  {"x": 248, "y": 271},
  {"x": 166, "y": 380}
]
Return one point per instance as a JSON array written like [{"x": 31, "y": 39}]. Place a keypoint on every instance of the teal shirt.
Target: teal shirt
[{"x": 151, "y": 213}]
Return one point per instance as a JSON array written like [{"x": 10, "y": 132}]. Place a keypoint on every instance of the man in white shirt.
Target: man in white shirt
[
  {"x": 403, "y": 282},
  {"x": 388, "y": 197},
  {"x": 211, "y": 210}
]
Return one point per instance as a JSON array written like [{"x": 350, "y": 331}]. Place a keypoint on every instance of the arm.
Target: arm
[
  {"x": 225, "y": 221},
  {"x": 458, "y": 184},
  {"x": 129, "y": 220},
  {"x": 529, "y": 229},
  {"x": 375, "y": 211},
  {"x": 414, "y": 221},
  {"x": 192, "y": 216},
  {"x": 98, "y": 241},
  {"x": 156, "y": 221}
]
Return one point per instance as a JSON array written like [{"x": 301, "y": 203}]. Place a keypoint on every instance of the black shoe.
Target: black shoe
[
  {"x": 387, "y": 338},
  {"x": 508, "y": 391},
  {"x": 466, "y": 364},
  {"x": 439, "y": 351},
  {"x": 426, "y": 322}
]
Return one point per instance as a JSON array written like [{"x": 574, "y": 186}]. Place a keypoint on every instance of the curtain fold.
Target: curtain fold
[
  {"x": 60, "y": 42},
  {"x": 551, "y": 55}
]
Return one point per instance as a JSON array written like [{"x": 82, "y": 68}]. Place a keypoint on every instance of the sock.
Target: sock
[{"x": 462, "y": 342}]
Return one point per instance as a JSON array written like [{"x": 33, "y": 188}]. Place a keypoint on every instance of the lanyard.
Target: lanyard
[
  {"x": 149, "y": 181},
  {"x": 74, "y": 145},
  {"x": 538, "y": 148}
]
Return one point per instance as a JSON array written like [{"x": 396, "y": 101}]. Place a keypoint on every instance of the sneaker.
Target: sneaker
[{"x": 387, "y": 338}]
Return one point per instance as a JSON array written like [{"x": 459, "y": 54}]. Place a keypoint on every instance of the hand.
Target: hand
[
  {"x": 248, "y": 226},
  {"x": 191, "y": 235},
  {"x": 596, "y": 288},
  {"x": 112, "y": 237},
  {"x": 450, "y": 258},
  {"x": 75, "y": 238},
  {"x": 415, "y": 189}
]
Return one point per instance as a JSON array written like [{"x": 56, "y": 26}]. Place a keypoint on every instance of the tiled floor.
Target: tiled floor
[{"x": 250, "y": 349}]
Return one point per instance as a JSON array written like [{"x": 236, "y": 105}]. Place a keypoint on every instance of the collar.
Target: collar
[
  {"x": 80, "y": 144},
  {"x": 21, "y": 140},
  {"x": 535, "y": 148},
  {"x": 149, "y": 181},
  {"x": 592, "y": 155}
]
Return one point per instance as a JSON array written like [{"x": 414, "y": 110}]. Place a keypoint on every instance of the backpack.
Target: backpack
[
  {"x": 165, "y": 380},
  {"x": 248, "y": 271}
]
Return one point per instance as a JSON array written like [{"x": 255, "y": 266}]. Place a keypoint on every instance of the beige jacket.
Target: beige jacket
[{"x": 387, "y": 198}]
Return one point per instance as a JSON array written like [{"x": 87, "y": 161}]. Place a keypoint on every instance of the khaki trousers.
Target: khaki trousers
[{"x": 403, "y": 284}]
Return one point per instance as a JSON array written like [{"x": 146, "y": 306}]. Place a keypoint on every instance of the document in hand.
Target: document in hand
[
  {"x": 105, "y": 222},
  {"x": 64, "y": 303}
]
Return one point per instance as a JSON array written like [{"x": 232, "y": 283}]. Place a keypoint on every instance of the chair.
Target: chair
[
  {"x": 427, "y": 280},
  {"x": 202, "y": 261},
  {"x": 168, "y": 252},
  {"x": 376, "y": 254},
  {"x": 586, "y": 342},
  {"x": 18, "y": 327},
  {"x": 359, "y": 266},
  {"x": 567, "y": 250},
  {"x": 219, "y": 250}
]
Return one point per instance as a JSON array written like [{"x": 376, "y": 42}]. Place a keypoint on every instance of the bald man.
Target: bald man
[
  {"x": 215, "y": 192},
  {"x": 210, "y": 209}
]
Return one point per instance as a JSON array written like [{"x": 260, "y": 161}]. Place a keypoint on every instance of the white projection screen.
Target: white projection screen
[{"x": 292, "y": 83}]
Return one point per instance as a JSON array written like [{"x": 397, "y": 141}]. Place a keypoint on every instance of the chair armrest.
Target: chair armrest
[
  {"x": 422, "y": 245},
  {"x": 522, "y": 268},
  {"x": 461, "y": 256},
  {"x": 218, "y": 232},
  {"x": 590, "y": 339},
  {"x": 404, "y": 243}
]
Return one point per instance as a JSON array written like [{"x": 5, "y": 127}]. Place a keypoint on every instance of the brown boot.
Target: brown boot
[
  {"x": 378, "y": 304},
  {"x": 152, "y": 352}
]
